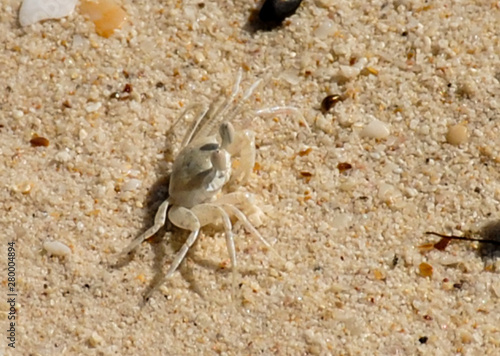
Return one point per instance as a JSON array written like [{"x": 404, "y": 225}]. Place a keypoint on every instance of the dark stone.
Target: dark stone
[{"x": 276, "y": 11}]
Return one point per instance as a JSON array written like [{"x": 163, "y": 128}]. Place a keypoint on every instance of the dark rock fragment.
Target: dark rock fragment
[{"x": 275, "y": 11}]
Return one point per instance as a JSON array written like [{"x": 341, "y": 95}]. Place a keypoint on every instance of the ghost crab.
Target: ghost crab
[{"x": 200, "y": 171}]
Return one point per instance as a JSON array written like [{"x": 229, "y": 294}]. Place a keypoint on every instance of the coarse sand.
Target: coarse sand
[{"x": 347, "y": 192}]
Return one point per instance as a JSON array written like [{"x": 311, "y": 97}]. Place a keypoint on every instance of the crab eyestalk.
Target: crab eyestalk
[
  {"x": 226, "y": 132},
  {"x": 219, "y": 160}
]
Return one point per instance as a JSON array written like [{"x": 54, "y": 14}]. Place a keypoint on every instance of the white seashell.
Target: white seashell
[
  {"x": 56, "y": 248},
  {"x": 33, "y": 11},
  {"x": 375, "y": 129}
]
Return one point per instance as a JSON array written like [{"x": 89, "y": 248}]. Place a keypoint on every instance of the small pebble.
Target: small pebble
[
  {"x": 289, "y": 266},
  {"x": 325, "y": 29},
  {"x": 17, "y": 114},
  {"x": 130, "y": 185},
  {"x": 375, "y": 129},
  {"x": 323, "y": 124},
  {"x": 23, "y": 188},
  {"x": 349, "y": 72},
  {"x": 63, "y": 156},
  {"x": 95, "y": 339},
  {"x": 56, "y": 248},
  {"x": 423, "y": 339},
  {"x": 278, "y": 10},
  {"x": 388, "y": 192},
  {"x": 92, "y": 107},
  {"x": 457, "y": 135},
  {"x": 82, "y": 134},
  {"x": 468, "y": 89}
]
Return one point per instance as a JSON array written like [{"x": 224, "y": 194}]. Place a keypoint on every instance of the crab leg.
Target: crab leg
[
  {"x": 244, "y": 220},
  {"x": 160, "y": 217}
]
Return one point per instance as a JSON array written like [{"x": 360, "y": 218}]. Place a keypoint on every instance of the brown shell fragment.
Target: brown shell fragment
[
  {"x": 344, "y": 166},
  {"x": 442, "y": 244},
  {"x": 305, "y": 152},
  {"x": 39, "y": 141},
  {"x": 127, "y": 88},
  {"x": 306, "y": 175},
  {"x": 426, "y": 247}
]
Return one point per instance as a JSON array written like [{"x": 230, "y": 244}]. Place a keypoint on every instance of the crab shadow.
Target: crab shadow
[
  {"x": 489, "y": 253},
  {"x": 158, "y": 193},
  {"x": 175, "y": 238}
]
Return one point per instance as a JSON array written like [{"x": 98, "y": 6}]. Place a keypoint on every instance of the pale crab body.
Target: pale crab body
[
  {"x": 200, "y": 171},
  {"x": 194, "y": 179}
]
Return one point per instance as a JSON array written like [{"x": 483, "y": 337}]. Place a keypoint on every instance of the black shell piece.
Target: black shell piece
[
  {"x": 329, "y": 102},
  {"x": 275, "y": 11}
]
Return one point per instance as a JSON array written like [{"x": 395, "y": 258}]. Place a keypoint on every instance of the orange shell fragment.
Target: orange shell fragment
[
  {"x": 425, "y": 269},
  {"x": 107, "y": 15}
]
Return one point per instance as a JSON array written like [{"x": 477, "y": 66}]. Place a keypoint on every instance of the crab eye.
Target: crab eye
[
  {"x": 226, "y": 132},
  {"x": 209, "y": 147},
  {"x": 219, "y": 160}
]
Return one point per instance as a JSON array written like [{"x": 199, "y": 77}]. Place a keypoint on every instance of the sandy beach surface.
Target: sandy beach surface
[{"x": 409, "y": 143}]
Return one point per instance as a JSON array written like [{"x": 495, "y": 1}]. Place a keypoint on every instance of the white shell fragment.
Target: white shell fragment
[
  {"x": 56, "y": 248},
  {"x": 33, "y": 11},
  {"x": 375, "y": 129},
  {"x": 326, "y": 29},
  {"x": 131, "y": 184}
]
